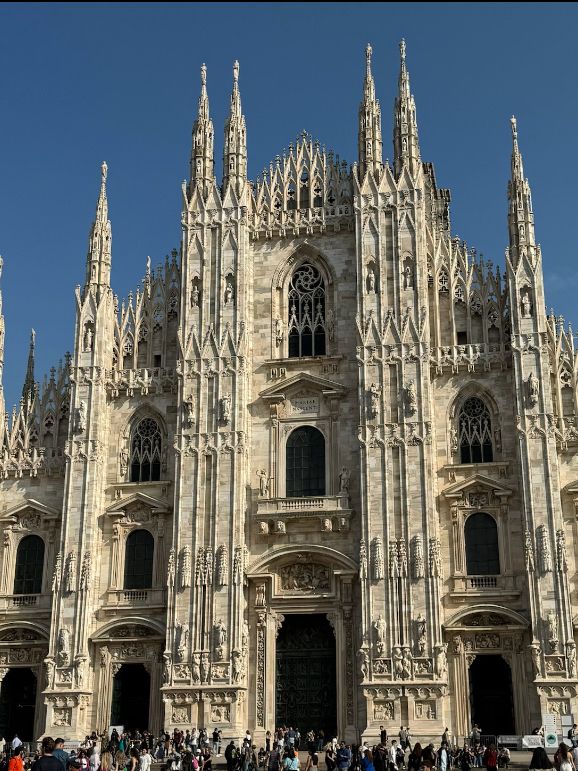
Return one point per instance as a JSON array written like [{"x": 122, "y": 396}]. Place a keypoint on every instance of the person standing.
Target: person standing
[
  {"x": 383, "y": 735},
  {"x": 393, "y": 756},
  {"x": 490, "y": 758},
  {"x": 16, "y": 743},
  {"x": 403, "y": 738},
  {"x": 47, "y": 762},
  {"x": 145, "y": 760},
  {"x": 443, "y": 758},
  {"x": 343, "y": 757},
  {"x": 60, "y": 753}
]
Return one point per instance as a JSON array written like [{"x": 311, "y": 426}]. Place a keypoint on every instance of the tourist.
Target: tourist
[
  {"x": 428, "y": 756},
  {"x": 47, "y": 762},
  {"x": 268, "y": 742},
  {"x": 393, "y": 756},
  {"x": 60, "y": 753},
  {"x": 16, "y": 763},
  {"x": 382, "y": 735},
  {"x": 291, "y": 761},
  {"x": 16, "y": 743},
  {"x": 343, "y": 757},
  {"x": 329, "y": 758},
  {"x": 367, "y": 761},
  {"x": 403, "y": 738},
  {"x": 443, "y": 757},
  {"x": 563, "y": 759},
  {"x": 476, "y": 735},
  {"x": 574, "y": 755},
  {"x": 106, "y": 762},
  {"x": 230, "y": 755},
  {"x": 414, "y": 758},
  {"x": 312, "y": 762},
  {"x": 540, "y": 760}
]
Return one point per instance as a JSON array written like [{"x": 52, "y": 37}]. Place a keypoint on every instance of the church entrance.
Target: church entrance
[
  {"x": 131, "y": 697},
  {"x": 18, "y": 704},
  {"x": 305, "y": 689},
  {"x": 491, "y": 695}
]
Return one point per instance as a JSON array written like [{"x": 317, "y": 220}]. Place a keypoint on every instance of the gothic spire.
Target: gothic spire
[
  {"x": 405, "y": 137},
  {"x": 520, "y": 214},
  {"x": 100, "y": 241},
  {"x": 235, "y": 147},
  {"x": 2, "y": 330},
  {"x": 28, "y": 388},
  {"x": 369, "y": 137},
  {"x": 202, "y": 160}
]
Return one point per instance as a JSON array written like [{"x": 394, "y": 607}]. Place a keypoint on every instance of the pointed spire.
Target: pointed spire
[
  {"x": 235, "y": 147},
  {"x": 99, "y": 244},
  {"x": 29, "y": 379},
  {"x": 520, "y": 214},
  {"x": 405, "y": 136},
  {"x": 369, "y": 136},
  {"x": 202, "y": 159}
]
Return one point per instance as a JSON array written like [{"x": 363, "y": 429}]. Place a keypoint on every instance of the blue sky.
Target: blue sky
[{"x": 87, "y": 82}]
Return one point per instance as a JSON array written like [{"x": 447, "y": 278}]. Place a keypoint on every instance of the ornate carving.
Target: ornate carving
[
  {"x": 435, "y": 560},
  {"x": 263, "y": 482},
  {"x": 225, "y": 409},
  {"x": 86, "y": 570},
  {"x": 260, "y": 675},
  {"x": 374, "y": 394},
  {"x": 411, "y": 397},
  {"x": 220, "y": 713},
  {"x": 344, "y": 480},
  {"x": 561, "y": 564},
  {"x": 62, "y": 717},
  {"x": 181, "y": 715},
  {"x": 377, "y": 567},
  {"x": 379, "y": 635},
  {"x": 222, "y": 565},
  {"x": 571, "y": 658},
  {"x": 425, "y": 710},
  {"x": 185, "y": 577},
  {"x": 417, "y": 560},
  {"x": 205, "y": 668},
  {"x": 64, "y": 646},
  {"x": 536, "y": 655},
  {"x": 544, "y": 555},
  {"x": 238, "y": 566},
  {"x": 552, "y": 630},
  {"x": 70, "y": 573},
  {"x": 529, "y": 551},
  {"x": 182, "y": 640},
  {"x": 420, "y": 634},
  {"x": 80, "y": 422},
  {"x": 383, "y": 710},
  {"x": 171, "y": 569},
  {"x": 362, "y": 559},
  {"x": 196, "y": 668},
  {"x": 57, "y": 573},
  {"x": 305, "y": 577},
  {"x": 219, "y": 639},
  {"x": 363, "y": 657},
  {"x": 533, "y": 388}
]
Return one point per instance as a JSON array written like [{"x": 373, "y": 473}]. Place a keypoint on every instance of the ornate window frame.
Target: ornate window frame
[
  {"x": 473, "y": 390},
  {"x": 123, "y": 474},
  {"x": 304, "y": 254}
]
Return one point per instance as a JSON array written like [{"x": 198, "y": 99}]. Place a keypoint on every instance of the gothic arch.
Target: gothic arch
[
  {"x": 511, "y": 617},
  {"x": 303, "y": 253},
  {"x": 21, "y": 624},
  {"x": 107, "y": 631},
  {"x": 124, "y": 435},
  {"x": 473, "y": 388},
  {"x": 470, "y": 390}
]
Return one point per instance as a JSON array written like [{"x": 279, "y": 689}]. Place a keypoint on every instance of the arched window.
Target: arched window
[
  {"x": 482, "y": 554},
  {"x": 138, "y": 560},
  {"x": 145, "y": 454},
  {"x": 306, "y": 312},
  {"x": 305, "y": 468},
  {"x": 475, "y": 432},
  {"x": 29, "y": 565}
]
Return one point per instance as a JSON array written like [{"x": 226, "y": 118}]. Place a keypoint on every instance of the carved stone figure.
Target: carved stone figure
[
  {"x": 408, "y": 277},
  {"x": 222, "y": 565},
  {"x": 379, "y": 635},
  {"x": 561, "y": 563},
  {"x": 238, "y": 666},
  {"x": 229, "y": 292},
  {"x": 196, "y": 668},
  {"x": 330, "y": 325},
  {"x": 407, "y": 664},
  {"x": 278, "y": 332},
  {"x": 417, "y": 562},
  {"x": 64, "y": 647},
  {"x": 526, "y": 305},
  {"x": 421, "y": 639},
  {"x": 441, "y": 661},
  {"x": 458, "y": 645},
  {"x": 70, "y": 573},
  {"x": 435, "y": 559},
  {"x": 344, "y": 479},
  {"x": 166, "y": 669},
  {"x": 225, "y": 409},
  {"x": 363, "y": 657},
  {"x": 453, "y": 440},
  {"x": 81, "y": 418},
  {"x": 552, "y": 628},
  {"x": 377, "y": 566},
  {"x": 374, "y": 394},
  {"x": 88, "y": 335},
  {"x": 529, "y": 551},
  {"x": 124, "y": 457},
  {"x": 195, "y": 295},
  {"x": 186, "y": 567},
  {"x": 260, "y": 596},
  {"x": 189, "y": 410},
  {"x": 397, "y": 662},
  {"x": 533, "y": 389},
  {"x": 305, "y": 577},
  {"x": 220, "y": 633},
  {"x": 544, "y": 554},
  {"x": 205, "y": 668},
  {"x": 263, "y": 482},
  {"x": 86, "y": 570},
  {"x": 371, "y": 281},
  {"x": 362, "y": 559},
  {"x": 571, "y": 658},
  {"x": 411, "y": 397},
  {"x": 536, "y": 654}
]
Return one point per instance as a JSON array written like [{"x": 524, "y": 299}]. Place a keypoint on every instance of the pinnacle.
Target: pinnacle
[{"x": 203, "y": 74}]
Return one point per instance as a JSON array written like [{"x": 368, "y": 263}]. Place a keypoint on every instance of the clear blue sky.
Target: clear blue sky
[{"x": 84, "y": 83}]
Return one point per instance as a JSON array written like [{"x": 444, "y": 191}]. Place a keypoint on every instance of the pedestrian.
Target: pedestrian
[
  {"x": 16, "y": 762},
  {"x": 540, "y": 760},
  {"x": 563, "y": 759},
  {"x": 16, "y": 743},
  {"x": 106, "y": 762},
  {"x": 329, "y": 758},
  {"x": 312, "y": 763},
  {"x": 47, "y": 762},
  {"x": 367, "y": 761},
  {"x": 393, "y": 756},
  {"x": 414, "y": 758},
  {"x": 382, "y": 735}
]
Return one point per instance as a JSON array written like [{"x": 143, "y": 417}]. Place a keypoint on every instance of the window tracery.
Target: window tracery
[
  {"x": 307, "y": 302},
  {"x": 146, "y": 447},
  {"x": 475, "y": 432}
]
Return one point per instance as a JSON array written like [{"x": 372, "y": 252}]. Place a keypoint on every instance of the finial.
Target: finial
[
  {"x": 235, "y": 71},
  {"x": 203, "y": 74},
  {"x": 104, "y": 170},
  {"x": 402, "y": 50},
  {"x": 514, "y": 124},
  {"x": 32, "y": 338},
  {"x": 368, "y": 52},
  {"x": 1, "y": 265},
  {"x": 148, "y": 272}
]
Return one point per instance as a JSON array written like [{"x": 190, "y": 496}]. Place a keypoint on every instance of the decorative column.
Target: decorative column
[{"x": 460, "y": 689}]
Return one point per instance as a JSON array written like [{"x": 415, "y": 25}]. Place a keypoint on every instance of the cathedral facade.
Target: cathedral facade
[{"x": 319, "y": 470}]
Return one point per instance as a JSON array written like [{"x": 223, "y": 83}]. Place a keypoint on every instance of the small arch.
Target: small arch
[
  {"x": 459, "y": 619},
  {"x": 326, "y": 554},
  {"x": 145, "y": 451},
  {"x": 305, "y": 463},
  {"x": 481, "y": 540},
  {"x": 29, "y": 565},
  {"x": 138, "y": 560},
  {"x": 107, "y": 631}
]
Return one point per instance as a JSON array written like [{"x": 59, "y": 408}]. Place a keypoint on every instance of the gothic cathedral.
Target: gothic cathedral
[{"x": 319, "y": 470}]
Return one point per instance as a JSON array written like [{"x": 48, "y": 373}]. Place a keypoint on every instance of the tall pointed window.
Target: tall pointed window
[
  {"x": 29, "y": 565},
  {"x": 138, "y": 560},
  {"x": 305, "y": 468},
  {"x": 306, "y": 312},
  {"x": 475, "y": 432},
  {"x": 145, "y": 456},
  {"x": 482, "y": 553}
]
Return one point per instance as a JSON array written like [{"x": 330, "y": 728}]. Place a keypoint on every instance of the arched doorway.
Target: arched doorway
[
  {"x": 491, "y": 695},
  {"x": 18, "y": 704},
  {"x": 305, "y": 690},
  {"x": 131, "y": 691}
]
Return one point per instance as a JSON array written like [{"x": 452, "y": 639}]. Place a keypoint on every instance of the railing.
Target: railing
[
  {"x": 128, "y": 597},
  {"x": 24, "y": 600},
  {"x": 16, "y": 601},
  {"x": 501, "y": 584},
  {"x": 327, "y": 503},
  {"x": 483, "y": 582}
]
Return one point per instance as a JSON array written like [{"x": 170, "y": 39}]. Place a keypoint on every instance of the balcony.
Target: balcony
[
  {"x": 15, "y": 602},
  {"x": 131, "y": 598},
  {"x": 327, "y": 513},
  {"x": 484, "y": 586}
]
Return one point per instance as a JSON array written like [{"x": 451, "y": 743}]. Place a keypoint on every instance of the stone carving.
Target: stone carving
[
  {"x": 260, "y": 596},
  {"x": 411, "y": 397},
  {"x": 344, "y": 479},
  {"x": 195, "y": 296},
  {"x": 63, "y": 646},
  {"x": 326, "y": 525},
  {"x": 238, "y": 566},
  {"x": 208, "y": 568},
  {"x": 70, "y": 573},
  {"x": 88, "y": 336},
  {"x": 62, "y": 717},
  {"x": 57, "y": 573},
  {"x": 417, "y": 560},
  {"x": 171, "y": 569},
  {"x": 529, "y": 551},
  {"x": 181, "y": 715},
  {"x": 363, "y": 658},
  {"x": 263, "y": 482},
  {"x": 86, "y": 570},
  {"x": 544, "y": 556},
  {"x": 219, "y": 639},
  {"x": 383, "y": 710},
  {"x": 330, "y": 325},
  {"x": 526, "y": 304},
  {"x": 229, "y": 293},
  {"x": 225, "y": 409},
  {"x": 421, "y": 638},
  {"x": 458, "y": 645},
  {"x": 560, "y": 707},
  {"x": 425, "y": 710},
  {"x": 377, "y": 567},
  {"x": 393, "y": 562},
  {"x": 408, "y": 277},
  {"x": 238, "y": 666},
  {"x": 454, "y": 443},
  {"x": 196, "y": 668},
  {"x": 379, "y": 635},
  {"x": 435, "y": 559},
  {"x": 182, "y": 640},
  {"x": 186, "y": 567},
  {"x": 552, "y": 630},
  {"x": 220, "y": 713},
  {"x": 222, "y": 565},
  {"x": 305, "y": 577},
  {"x": 533, "y": 385},
  {"x": 571, "y": 658},
  {"x": 371, "y": 281},
  {"x": 561, "y": 564},
  {"x": 362, "y": 559},
  {"x": 80, "y": 426},
  {"x": 397, "y": 662},
  {"x": 374, "y": 394},
  {"x": 441, "y": 661},
  {"x": 263, "y": 527},
  {"x": 123, "y": 462},
  {"x": 536, "y": 655},
  {"x": 402, "y": 558},
  {"x": 189, "y": 410},
  {"x": 278, "y": 332}
]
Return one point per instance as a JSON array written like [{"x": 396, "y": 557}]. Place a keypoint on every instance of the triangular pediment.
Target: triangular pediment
[
  {"x": 306, "y": 383},
  {"x": 138, "y": 500},
  {"x": 29, "y": 503},
  {"x": 478, "y": 482}
]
